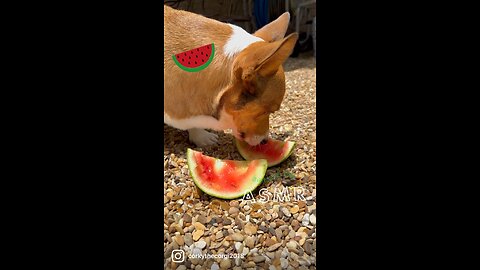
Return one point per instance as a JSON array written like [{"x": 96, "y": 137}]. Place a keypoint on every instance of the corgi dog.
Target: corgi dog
[{"x": 242, "y": 85}]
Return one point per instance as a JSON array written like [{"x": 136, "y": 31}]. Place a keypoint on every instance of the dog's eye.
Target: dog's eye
[{"x": 242, "y": 135}]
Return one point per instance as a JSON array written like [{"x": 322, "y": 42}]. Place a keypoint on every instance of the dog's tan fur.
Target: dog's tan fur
[{"x": 248, "y": 87}]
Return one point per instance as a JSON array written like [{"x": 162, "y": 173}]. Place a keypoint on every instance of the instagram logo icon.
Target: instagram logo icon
[{"x": 178, "y": 255}]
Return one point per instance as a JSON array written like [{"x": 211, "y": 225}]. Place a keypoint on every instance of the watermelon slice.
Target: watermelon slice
[
  {"x": 196, "y": 59},
  {"x": 274, "y": 151},
  {"x": 226, "y": 179}
]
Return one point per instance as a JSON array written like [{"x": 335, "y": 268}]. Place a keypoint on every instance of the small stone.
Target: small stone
[
  {"x": 294, "y": 209},
  {"x": 200, "y": 244},
  {"x": 263, "y": 228},
  {"x": 199, "y": 226},
  {"x": 258, "y": 259},
  {"x": 233, "y": 211},
  {"x": 295, "y": 225},
  {"x": 286, "y": 212},
  {"x": 226, "y": 221},
  {"x": 197, "y": 235},
  {"x": 291, "y": 245},
  {"x": 274, "y": 247},
  {"x": 179, "y": 239},
  {"x": 250, "y": 229},
  {"x": 187, "y": 218},
  {"x": 188, "y": 239},
  {"x": 237, "y": 237},
  {"x": 271, "y": 267},
  {"x": 182, "y": 267},
  {"x": 215, "y": 266},
  {"x": 225, "y": 264},
  {"x": 268, "y": 217},
  {"x": 284, "y": 263},
  {"x": 245, "y": 251},
  {"x": 271, "y": 255},
  {"x": 270, "y": 242},
  {"x": 308, "y": 248},
  {"x": 306, "y": 220},
  {"x": 238, "y": 247},
  {"x": 219, "y": 235},
  {"x": 250, "y": 241},
  {"x": 313, "y": 219},
  {"x": 202, "y": 219}
]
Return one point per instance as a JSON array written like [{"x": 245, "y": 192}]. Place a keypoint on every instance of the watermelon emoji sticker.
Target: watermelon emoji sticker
[{"x": 196, "y": 59}]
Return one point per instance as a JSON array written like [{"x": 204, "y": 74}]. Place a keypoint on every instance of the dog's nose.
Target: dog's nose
[{"x": 264, "y": 141}]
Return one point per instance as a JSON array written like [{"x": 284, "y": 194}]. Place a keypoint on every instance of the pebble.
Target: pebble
[
  {"x": 182, "y": 267},
  {"x": 263, "y": 228},
  {"x": 199, "y": 226},
  {"x": 233, "y": 211},
  {"x": 250, "y": 229},
  {"x": 179, "y": 240},
  {"x": 274, "y": 247},
  {"x": 227, "y": 221},
  {"x": 238, "y": 247},
  {"x": 295, "y": 225},
  {"x": 291, "y": 245},
  {"x": 187, "y": 218},
  {"x": 284, "y": 263},
  {"x": 306, "y": 220},
  {"x": 225, "y": 264},
  {"x": 313, "y": 219},
  {"x": 308, "y": 248},
  {"x": 202, "y": 219},
  {"x": 286, "y": 212},
  {"x": 258, "y": 258},
  {"x": 250, "y": 241},
  {"x": 200, "y": 244},
  {"x": 245, "y": 251},
  {"x": 219, "y": 235},
  {"x": 237, "y": 237},
  {"x": 270, "y": 242},
  {"x": 215, "y": 266},
  {"x": 294, "y": 209},
  {"x": 271, "y": 267},
  {"x": 197, "y": 235}
]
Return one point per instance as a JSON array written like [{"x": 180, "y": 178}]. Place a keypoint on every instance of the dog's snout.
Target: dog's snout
[{"x": 264, "y": 141}]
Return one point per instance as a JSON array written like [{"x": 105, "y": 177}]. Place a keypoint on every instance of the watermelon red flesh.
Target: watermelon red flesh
[
  {"x": 195, "y": 59},
  {"x": 273, "y": 151},
  {"x": 225, "y": 179}
]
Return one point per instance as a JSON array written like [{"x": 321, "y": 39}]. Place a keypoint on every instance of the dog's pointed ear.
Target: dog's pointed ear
[
  {"x": 275, "y": 30},
  {"x": 279, "y": 53},
  {"x": 262, "y": 59}
]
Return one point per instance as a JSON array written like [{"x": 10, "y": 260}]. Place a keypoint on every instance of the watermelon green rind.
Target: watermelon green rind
[
  {"x": 253, "y": 183},
  {"x": 248, "y": 155},
  {"x": 199, "y": 68}
]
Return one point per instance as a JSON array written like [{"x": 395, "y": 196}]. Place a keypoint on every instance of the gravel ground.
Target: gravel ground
[{"x": 267, "y": 235}]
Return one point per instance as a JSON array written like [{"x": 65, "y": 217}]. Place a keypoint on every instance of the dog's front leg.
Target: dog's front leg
[{"x": 201, "y": 137}]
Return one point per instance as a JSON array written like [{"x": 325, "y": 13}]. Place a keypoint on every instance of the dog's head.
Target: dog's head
[{"x": 258, "y": 85}]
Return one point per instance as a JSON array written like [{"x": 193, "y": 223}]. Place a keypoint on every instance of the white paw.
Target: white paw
[{"x": 201, "y": 137}]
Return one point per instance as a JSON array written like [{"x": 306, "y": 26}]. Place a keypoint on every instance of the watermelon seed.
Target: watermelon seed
[
  {"x": 195, "y": 62},
  {"x": 202, "y": 53},
  {"x": 203, "y": 61},
  {"x": 189, "y": 62},
  {"x": 189, "y": 57},
  {"x": 206, "y": 54}
]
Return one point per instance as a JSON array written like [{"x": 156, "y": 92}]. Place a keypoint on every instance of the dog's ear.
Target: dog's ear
[
  {"x": 262, "y": 59},
  {"x": 278, "y": 54},
  {"x": 275, "y": 30}
]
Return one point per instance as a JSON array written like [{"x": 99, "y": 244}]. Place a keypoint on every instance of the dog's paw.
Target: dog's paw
[{"x": 201, "y": 137}]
